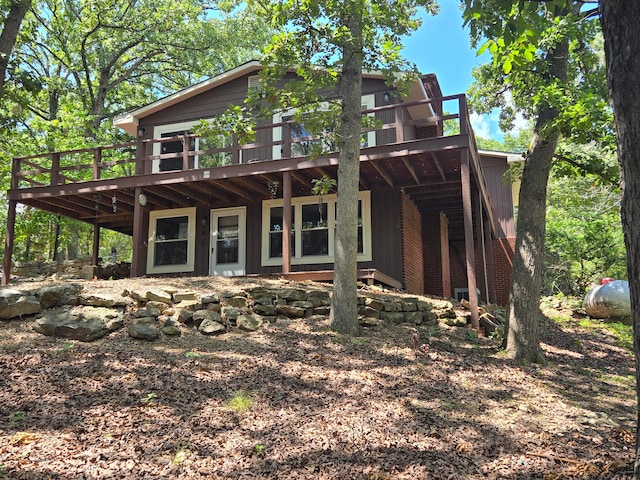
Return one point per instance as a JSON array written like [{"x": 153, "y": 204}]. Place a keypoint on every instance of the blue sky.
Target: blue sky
[{"x": 442, "y": 46}]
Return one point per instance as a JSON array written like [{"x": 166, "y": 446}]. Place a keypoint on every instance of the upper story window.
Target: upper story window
[
  {"x": 216, "y": 159},
  {"x": 304, "y": 144}
]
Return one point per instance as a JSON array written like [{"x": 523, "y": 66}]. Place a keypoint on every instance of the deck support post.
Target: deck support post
[
  {"x": 482, "y": 252},
  {"x": 8, "y": 242},
  {"x": 95, "y": 253},
  {"x": 465, "y": 177},
  {"x": 286, "y": 222},
  {"x": 139, "y": 249},
  {"x": 491, "y": 272}
]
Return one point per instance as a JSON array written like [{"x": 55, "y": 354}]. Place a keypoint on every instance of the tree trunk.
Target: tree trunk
[
  {"x": 344, "y": 305},
  {"x": 619, "y": 20},
  {"x": 9, "y": 34},
  {"x": 523, "y": 329}
]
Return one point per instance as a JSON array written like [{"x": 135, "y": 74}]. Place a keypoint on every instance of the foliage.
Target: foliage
[
  {"x": 78, "y": 64},
  {"x": 584, "y": 235},
  {"x": 322, "y": 185},
  {"x": 240, "y": 401}
]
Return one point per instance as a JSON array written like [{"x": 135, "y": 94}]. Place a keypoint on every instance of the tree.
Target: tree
[
  {"x": 328, "y": 44},
  {"x": 619, "y": 19},
  {"x": 543, "y": 66},
  {"x": 11, "y": 27}
]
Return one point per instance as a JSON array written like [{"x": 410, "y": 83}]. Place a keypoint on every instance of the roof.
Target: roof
[{"x": 129, "y": 121}]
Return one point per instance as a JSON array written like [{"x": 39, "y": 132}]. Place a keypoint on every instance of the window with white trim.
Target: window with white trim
[
  {"x": 313, "y": 229},
  {"x": 298, "y": 131},
  {"x": 199, "y": 143},
  {"x": 171, "y": 246}
]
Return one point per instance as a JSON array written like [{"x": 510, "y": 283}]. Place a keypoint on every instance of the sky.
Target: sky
[{"x": 442, "y": 46}]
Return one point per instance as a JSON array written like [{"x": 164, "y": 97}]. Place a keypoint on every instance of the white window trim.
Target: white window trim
[
  {"x": 298, "y": 259},
  {"x": 369, "y": 101},
  {"x": 156, "y": 215},
  {"x": 159, "y": 130}
]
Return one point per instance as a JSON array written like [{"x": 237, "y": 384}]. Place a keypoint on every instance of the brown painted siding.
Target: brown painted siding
[
  {"x": 500, "y": 194},
  {"x": 412, "y": 261},
  {"x": 386, "y": 228}
]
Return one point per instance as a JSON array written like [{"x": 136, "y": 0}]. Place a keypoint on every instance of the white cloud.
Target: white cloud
[{"x": 481, "y": 125}]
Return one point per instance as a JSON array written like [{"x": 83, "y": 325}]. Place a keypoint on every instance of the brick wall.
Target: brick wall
[
  {"x": 412, "y": 260},
  {"x": 503, "y": 249}
]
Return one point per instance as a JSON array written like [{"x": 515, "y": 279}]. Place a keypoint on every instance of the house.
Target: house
[{"x": 435, "y": 215}]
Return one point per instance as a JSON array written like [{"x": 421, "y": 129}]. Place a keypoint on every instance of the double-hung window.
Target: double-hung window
[
  {"x": 171, "y": 246},
  {"x": 302, "y": 144},
  {"x": 312, "y": 231},
  {"x": 215, "y": 159}
]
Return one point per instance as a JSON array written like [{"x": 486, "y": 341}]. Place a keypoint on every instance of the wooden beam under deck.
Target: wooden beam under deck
[{"x": 370, "y": 275}]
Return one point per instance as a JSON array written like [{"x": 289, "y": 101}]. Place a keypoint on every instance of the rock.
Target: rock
[
  {"x": 324, "y": 310},
  {"x": 392, "y": 317},
  {"x": 139, "y": 295},
  {"x": 414, "y": 317},
  {"x": 368, "y": 311},
  {"x": 487, "y": 321},
  {"x": 374, "y": 303},
  {"x": 208, "y": 298},
  {"x": 291, "y": 311},
  {"x": 143, "y": 331},
  {"x": 260, "y": 309},
  {"x": 79, "y": 323},
  {"x": 424, "y": 306},
  {"x": 429, "y": 319},
  {"x": 13, "y": 303},
  {"x": 410, "y": 307},
  {"x": 443, "y": 308},
  {"x": 231, "y": 313},
  {"x": 180, "y": 296},
  {"x": 158, "y": 295},
  {"x": 293, "y": 294},
  {"x": 148, "y": 312},
  {"x": 213, "y": 307},
  {"x": 200, "y": 316},
  {"x": 237, "y": 301},
  {"x": 370, "y": 322},
  {"x": 264, "y": 299},
  {"x": 192, "y": 305},
  {"x": 171, "y": 330},
  {"x": 57, "y": 295},
  {"x": 101, "y": 300},
  {"x": 249, "y": 323},
  {"x": 159, "y": 305},
  {"x": 182, "y": 315},
  {"x": 302, "y": 304},
  {"x": 209, "y": 327}
]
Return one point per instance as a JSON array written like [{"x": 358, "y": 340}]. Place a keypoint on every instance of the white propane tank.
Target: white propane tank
[{"x": 610, "y": 300}]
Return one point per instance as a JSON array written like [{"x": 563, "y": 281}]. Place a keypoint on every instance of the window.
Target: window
[
  {"x": 303, "y": 147},
  {"x": 313, "y": 235},
  {"x": 199, "y": 143},
  {"x": 171, "y": 246}
]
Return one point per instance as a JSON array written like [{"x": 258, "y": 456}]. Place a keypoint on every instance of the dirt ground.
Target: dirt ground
[{"x": 296, "y": 400}]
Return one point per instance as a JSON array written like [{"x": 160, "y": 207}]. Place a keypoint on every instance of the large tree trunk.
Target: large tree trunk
[
  {"x": 344, "y": 305},
  {"x": 10, "y": 30},
  {"x": 620, "y": 19},
  {"x": 523, "y": 329}
]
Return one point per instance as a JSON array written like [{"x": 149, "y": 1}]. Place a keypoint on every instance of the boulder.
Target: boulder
[
  {"x": 158, "y": 295},
  {"x": 237, "y": 301},
  {"x": 101, "y": 300},
  {"x": 200, "y": 316},
  {"x": 291, "y": 311},
  {"x": 261, "y": 309},
  {"x": 14, "y": 303},
  {"x": 374, "y": 303},
  {"x": 58, "y": 295},
  {"x": 249, "y": 323},
  {"x": 293, "y": 294},
  {"x": 210, "y": 327},
  {"x": 209, "y": 298},
  {"x": 182, "y": 315},
  {"x": 148, "y": 312},
  {"x": 79, "y": 323},
  {"x": 143, "y": 331},
  {"x": 180, "y": 296}
]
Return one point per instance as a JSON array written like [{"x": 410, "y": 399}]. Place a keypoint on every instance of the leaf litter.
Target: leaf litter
[{"x": 316, "y": 404}]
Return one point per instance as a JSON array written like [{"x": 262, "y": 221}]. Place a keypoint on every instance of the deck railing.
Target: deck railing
[{"x": 138, "y": 157}]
